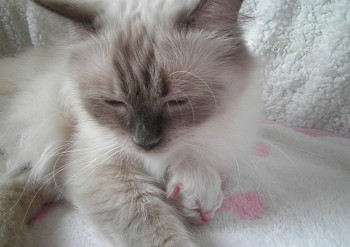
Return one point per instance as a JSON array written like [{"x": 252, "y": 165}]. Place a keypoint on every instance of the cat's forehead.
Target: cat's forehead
[
  {"x": 137, "y": 65},
  {"x": 147, "y": 59},
  {"x": 143, "y": 64}
]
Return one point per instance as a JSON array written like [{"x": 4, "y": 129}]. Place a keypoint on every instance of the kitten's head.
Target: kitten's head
[{"x": 151, "y": 75}]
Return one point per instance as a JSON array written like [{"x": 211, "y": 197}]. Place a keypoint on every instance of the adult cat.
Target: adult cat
[{"x": 156, "y": 93}]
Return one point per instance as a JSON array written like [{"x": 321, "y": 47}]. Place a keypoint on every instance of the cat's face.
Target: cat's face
[
  {"x": 154, "y": 84},
  {"x": 153, "y": 89}
]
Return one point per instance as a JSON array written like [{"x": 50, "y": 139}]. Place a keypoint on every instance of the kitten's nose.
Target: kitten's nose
[
  {"x": 147, "y": 145},
  {"x": 146, "y": 130}
]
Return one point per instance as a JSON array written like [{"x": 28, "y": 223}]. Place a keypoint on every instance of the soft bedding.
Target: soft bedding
[
  {"x": 295, "y": 188},
  {"x": 293, "y": 191}
]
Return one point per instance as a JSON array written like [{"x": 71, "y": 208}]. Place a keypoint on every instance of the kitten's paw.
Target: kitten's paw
[{"x": 197, "y": 191}]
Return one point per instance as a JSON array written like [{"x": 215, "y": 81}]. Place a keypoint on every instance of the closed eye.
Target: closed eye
[
  {"x": 114, "y": 103},
  {"x": 177, "y": 102}
]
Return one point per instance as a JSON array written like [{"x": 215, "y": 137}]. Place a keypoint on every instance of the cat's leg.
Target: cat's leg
[
  {"x": 197, "y": 189},
  {"x": 19, "y": 203},
  {"x": 122, "y": 201}
]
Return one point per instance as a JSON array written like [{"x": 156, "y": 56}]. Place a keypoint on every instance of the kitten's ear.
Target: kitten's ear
[
  {"x": 214, "y": 15},
  {"x": 82, "y": 12}
]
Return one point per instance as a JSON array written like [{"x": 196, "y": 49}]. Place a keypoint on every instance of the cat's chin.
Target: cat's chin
[
  {"x": 157, "y": 150},
  {"x": 161, "y": 147}
]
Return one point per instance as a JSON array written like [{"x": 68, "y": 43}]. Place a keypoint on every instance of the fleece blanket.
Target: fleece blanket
[
  {"x": 304, "y": 45},
  {"x": 294, "y": 190}
]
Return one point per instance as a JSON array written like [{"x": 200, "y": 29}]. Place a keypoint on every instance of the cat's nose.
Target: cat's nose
[
  {"x": 146, "y": 131},
  {"x": 147, "y": 144}
]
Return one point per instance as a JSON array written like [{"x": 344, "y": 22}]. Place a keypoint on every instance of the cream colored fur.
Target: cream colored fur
[{"x": 45, "y": 124}]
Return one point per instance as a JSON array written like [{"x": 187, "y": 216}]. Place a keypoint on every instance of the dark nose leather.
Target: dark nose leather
[
  {"x": 146, "y": 135},
  {"x": 146, "y": 129},
  {"x": 147, "y": 145}
]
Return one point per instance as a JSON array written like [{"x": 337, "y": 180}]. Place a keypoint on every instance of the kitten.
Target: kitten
[{"x": 157, "y": 93}]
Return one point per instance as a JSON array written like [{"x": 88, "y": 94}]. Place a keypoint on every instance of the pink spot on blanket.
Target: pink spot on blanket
[
  {"x": 43, "y": 213},
  {"x": 313, "y": 132},
  {"x": 247, "y": 205},
  {"x": 306, "y": 131},
  {"x": 261, "y": 150}
]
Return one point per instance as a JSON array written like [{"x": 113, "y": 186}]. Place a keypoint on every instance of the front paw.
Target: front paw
[{"x": 197, "y": 191}]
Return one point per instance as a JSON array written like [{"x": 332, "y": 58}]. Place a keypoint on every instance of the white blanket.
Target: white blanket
[
  {"x": 305, "y": 45},
  {"x": 293, "y": 191}
]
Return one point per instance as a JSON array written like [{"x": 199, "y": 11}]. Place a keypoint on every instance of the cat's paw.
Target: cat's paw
[{"x": 197, "y": 191}]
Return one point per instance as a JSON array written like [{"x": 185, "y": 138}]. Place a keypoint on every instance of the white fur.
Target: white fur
[
  {"x": 39, "y": 107},
  {"x": 33, "y": 123}
]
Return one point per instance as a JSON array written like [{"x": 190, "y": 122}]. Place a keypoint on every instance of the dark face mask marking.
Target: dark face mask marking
[{"x": 146, "y": 129}]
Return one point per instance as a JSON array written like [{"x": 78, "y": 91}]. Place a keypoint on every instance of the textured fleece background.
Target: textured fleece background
[{"x": 305, "y": 46}]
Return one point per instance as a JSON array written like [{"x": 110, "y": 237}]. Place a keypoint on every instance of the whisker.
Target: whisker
[
  {"x": 238, "y": 175},
  {"x": 54, "y": 173},
  {"x": 283, "y": 153},
  {"x": 189, "y": 101},
  {"x": 92, "y": 163},
  {"x": 31, "y": 202},
  {"x": 101, "y": 163},
  {"x": 20, "y": 197},
  {"x": 201, "y": 80},
  {"x": 255, "y": 167},
  {"x": 104, "y": 147}
]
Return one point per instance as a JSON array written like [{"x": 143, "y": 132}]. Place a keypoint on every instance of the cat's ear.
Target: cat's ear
[
  {"x": 82, "y": 12},
  {"x": 214, "y": 15}
]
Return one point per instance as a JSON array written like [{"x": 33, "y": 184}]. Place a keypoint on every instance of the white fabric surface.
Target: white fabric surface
[
  {"x": 23, "y": 24},
  {"x": 301, "y": 182},
  {"x": 305, "y": 46}
]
